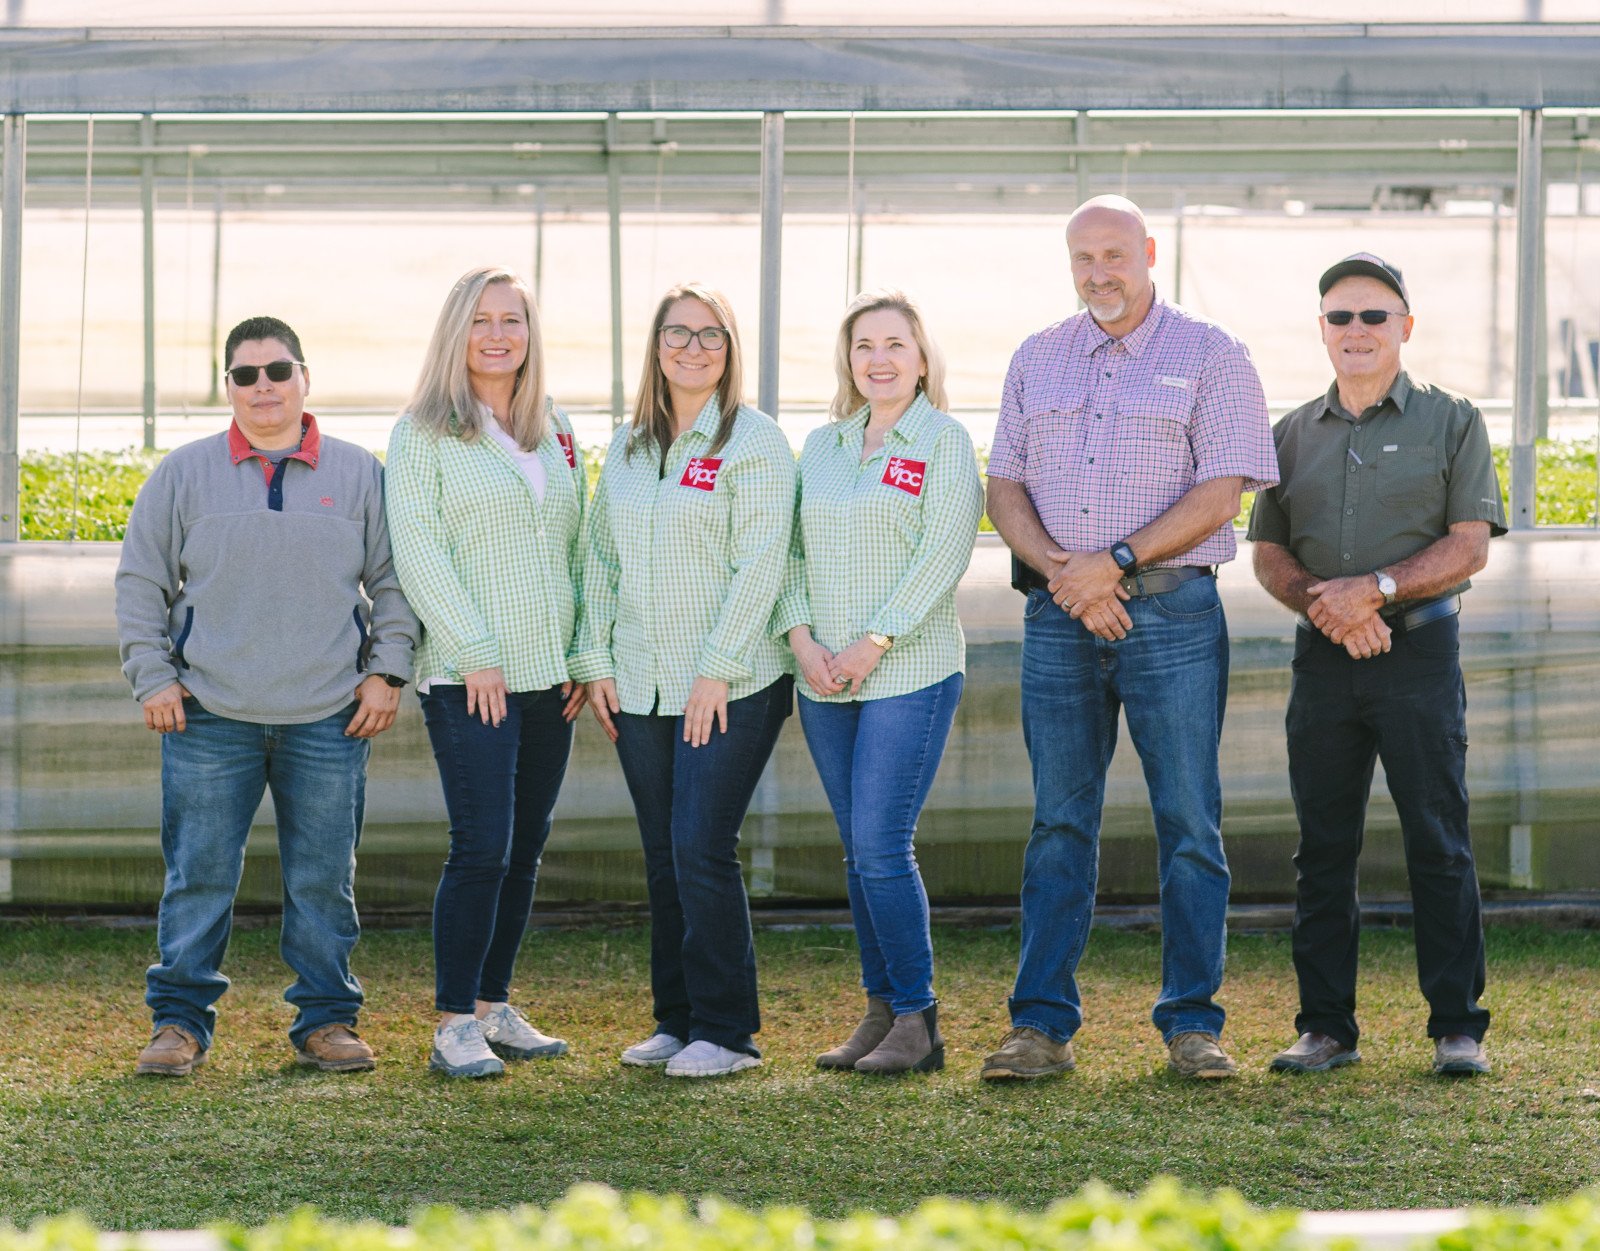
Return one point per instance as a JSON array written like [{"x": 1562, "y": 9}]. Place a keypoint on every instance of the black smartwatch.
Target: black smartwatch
[
  {"x": 1126, "y": 560},
  {"x": 393, "y": 681}
]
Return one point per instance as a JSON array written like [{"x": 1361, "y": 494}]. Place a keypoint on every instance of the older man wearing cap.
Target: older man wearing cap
[{"x": 1386, "y": 505}]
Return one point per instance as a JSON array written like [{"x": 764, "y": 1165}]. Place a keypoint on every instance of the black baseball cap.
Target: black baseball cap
[{"x": 1365, "y": 264}]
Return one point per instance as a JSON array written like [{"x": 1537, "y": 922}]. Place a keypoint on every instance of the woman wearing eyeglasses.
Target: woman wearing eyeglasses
[
  {"x": 685, "y": 555},
  {"x": 485, "y": 494},
  {"x": 888, "y": 509}
]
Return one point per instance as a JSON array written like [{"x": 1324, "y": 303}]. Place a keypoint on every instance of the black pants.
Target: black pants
[{"x": 1407, "y": 707}]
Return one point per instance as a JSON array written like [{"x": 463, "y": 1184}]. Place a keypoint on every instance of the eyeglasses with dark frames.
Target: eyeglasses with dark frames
[
  {"x": 712, "y": 338},
  {"x": 277, "y": 371},
  {"x": 1369, "y": 316}
]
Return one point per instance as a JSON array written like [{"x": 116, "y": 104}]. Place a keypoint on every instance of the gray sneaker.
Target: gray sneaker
[
  {"x": 460, "y": 1050},
  {"x": 653, "y": 1051},
  {"x": 511, "y": 1037},
  {"x": 1459, "y": 1054},
  {"x": 1199, "y": 1055},
  {"x": 1314, "y": 1053},
  {"x": 1026, "y": 1053}
]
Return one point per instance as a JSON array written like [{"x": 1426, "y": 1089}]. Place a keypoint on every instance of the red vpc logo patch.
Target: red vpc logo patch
[
  {"x": 701, "y": 472},
  {"x": 566, "y": 446},
  {"x": 908, "y": 475}
]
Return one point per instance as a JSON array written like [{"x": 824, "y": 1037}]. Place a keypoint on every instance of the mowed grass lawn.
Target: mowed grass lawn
[{"x": 252, "y": 1135}]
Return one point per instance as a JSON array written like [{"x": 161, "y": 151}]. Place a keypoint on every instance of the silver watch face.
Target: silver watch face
[{"x": 1386, "y": 585}]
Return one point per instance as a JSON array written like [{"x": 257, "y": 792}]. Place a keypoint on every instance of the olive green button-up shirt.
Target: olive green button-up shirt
[
  {"x": 1360, "y": 493},
  {"x": 879, "y": 546},
  {"x": 490, "y": 568},
  {"x": 682, "y": 568}
]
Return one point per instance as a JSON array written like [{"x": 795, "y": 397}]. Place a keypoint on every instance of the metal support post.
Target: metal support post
[
  {"x": 1496, "y": 364},
  {"x": 1526, "y": 417},
  {"x": 614, "y": 212},
  {"x": 538, "y": 247},
  {"x": 1177, "y": 247},
  {"x": 147, "y": 210},
  {"x": 13, "y": 148},
  {"x": 861, "y": 240},
  {"x": 771, "y": 258},
  {"x": 214, "y": 344}
]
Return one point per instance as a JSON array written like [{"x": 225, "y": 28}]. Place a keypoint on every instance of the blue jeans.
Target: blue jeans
[
  {"x": 690, "y": 802},
  {"x": 500, "y": 786},
  {"x": 212, "y": 779},
  {"x": 1170, "y": 677},
  {"x": 876, "y": 759}
]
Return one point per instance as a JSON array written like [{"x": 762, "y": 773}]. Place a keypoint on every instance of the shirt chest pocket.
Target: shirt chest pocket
[
  {"x": 1153, "y": 435},
  {"x": 1408, "y": 475},
  {"x": 1053, "y": 427}
]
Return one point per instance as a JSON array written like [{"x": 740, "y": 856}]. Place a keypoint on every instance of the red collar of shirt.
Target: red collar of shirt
[{"x": 310, "y": 450}]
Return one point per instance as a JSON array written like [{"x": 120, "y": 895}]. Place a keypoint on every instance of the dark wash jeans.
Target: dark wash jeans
[
  {"x": 690, "y": 803},
  {"x": 1408, "y": 708},
  {"x": 212, "y": 779},
  {"x": 500, "y": 786}
]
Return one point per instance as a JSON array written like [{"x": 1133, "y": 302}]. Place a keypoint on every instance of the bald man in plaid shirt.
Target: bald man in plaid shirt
[{"x": 1127, "y": 434}]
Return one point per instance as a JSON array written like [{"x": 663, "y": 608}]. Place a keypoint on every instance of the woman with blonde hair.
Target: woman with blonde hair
[
  {"x": 485, "y": 494},
  {"x": 888, "y": 509},
  {"x": 686, "y": 546}
]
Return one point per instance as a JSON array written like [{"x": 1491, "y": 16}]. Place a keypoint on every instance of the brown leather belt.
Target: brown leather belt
[{"x": 1025, "y": 578}]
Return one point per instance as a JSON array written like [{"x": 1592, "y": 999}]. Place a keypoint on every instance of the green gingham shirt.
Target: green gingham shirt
[
  {"x": 682, "y": 568},
  {"x": 491, "y": 570},
  {"x": 879, "y": 546}
]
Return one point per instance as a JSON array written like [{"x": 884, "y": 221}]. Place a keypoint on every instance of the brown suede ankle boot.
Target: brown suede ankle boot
[
  {"x": 873, "y": 1029},
  {"x": 912, "y": 1046}
]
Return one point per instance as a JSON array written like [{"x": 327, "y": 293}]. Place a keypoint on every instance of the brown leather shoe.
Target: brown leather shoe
[
  {"x": 913, "y": 1045},
  {"x": 1314, "y": 1053},
  {"x": 1027, "y": 1053},
  {"x": 336, "y": 1049},
  {"x": 173, "y": 1052},
  {"x": 1199, "y": 1055},
  {"x": 874, "y": 1028}
]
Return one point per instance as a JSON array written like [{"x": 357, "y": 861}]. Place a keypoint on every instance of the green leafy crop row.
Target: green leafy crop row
[
  {"x": 106, "y": 483},
  {"x": 1164, "y": 1217}
]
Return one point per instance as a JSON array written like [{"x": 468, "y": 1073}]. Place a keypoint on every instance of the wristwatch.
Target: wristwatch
[
  {"x": 1386, "y": 585},
  {"x": 885, "y": 641},
  {"x": 393, "y": 681},
  {"x": 1126, "y": 560}
]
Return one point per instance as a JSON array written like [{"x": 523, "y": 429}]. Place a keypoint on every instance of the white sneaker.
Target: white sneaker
[
  {"x": 706, "y": 1059},
  {"x": 511, "y": 1037},
  {"x": 657, "y": 1049},
  {"x": 459, "y": 1050}
]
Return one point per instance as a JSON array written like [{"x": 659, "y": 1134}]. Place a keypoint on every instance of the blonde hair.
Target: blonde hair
[
  {"x": 847, "y": 399},
  {"x": 444, "y": 402},
  {"x": 652, "y": 407}
]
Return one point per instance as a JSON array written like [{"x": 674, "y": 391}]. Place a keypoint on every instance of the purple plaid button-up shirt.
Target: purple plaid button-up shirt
[{"x": 1106, "y": 435}]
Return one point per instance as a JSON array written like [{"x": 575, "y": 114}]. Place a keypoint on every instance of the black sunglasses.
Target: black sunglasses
[
  {"x": 1369, "y": 316},
  {"x": 277, "y": 371}
]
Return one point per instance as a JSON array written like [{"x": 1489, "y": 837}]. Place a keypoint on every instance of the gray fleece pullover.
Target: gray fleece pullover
[{"x": 244, "y": 581}]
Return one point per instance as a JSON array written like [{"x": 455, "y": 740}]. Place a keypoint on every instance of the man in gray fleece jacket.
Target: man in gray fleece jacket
[{"x": 248, "y": 640}]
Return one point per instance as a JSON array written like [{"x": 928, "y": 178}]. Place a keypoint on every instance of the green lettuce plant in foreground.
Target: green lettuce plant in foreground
[{"x": 1164, "y": 1217}]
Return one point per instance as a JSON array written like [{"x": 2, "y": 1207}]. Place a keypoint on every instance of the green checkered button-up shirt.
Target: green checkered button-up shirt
[
  {"x": 491, "y": 570},
  {"x": 879, "y": 546},
  {"x": 682, "y": 568}
]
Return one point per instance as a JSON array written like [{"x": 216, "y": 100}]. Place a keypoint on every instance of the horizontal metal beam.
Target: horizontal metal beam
[{"x": 245, "y": 70}]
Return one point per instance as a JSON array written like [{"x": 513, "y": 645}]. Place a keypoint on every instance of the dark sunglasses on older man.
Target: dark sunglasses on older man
[
  {"x": 1369, "y": 316},
  {"x": 277, "y": 371}
]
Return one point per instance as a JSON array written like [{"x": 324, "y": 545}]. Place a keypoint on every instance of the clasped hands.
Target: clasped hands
[
  {"x": 1346, "y": 611},
  {"x": 1088, "y": 587},
  {"x": 832, "y": 673}
]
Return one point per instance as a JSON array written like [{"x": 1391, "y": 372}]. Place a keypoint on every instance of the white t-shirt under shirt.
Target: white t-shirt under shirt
[
  {"x": 530, "y": 464},
  {"x": 532, "y": 469}
]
